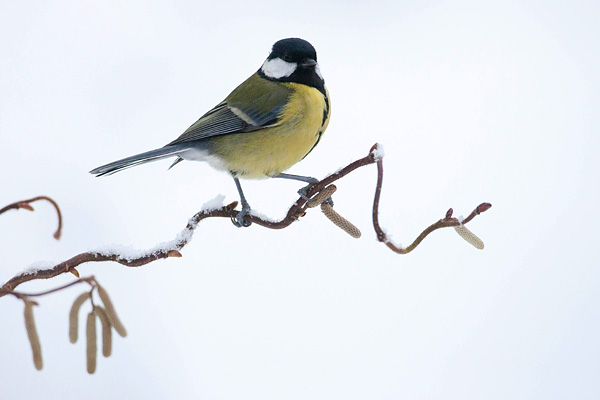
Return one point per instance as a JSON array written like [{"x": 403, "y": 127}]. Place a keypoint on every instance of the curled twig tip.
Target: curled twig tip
[
  {"x": 25, "y": 204},
  {"x": 376, "y": 152}
]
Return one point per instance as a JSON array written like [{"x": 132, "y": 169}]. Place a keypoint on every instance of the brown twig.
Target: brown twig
[
  {"x": 296, "y": 211},
  {"x": 22, "y": 295},
  {"x": 445, "y": 222},
  {"x": 25, "y": 204}
]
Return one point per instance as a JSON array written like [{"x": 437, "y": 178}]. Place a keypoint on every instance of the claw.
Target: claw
[
  {"x": 303, "y": 191},
  {"x": 239, "y": 220}
]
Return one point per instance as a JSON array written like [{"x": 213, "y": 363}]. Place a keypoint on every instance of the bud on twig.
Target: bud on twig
[
  {"x": 25, "y": 206},
  {"x": 174, "y": 253},
  {"x": 483, "y": 207}
]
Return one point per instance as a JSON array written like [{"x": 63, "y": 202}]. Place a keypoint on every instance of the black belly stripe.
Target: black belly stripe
[
  {"x": 320, "y": 133},
  {"x": 325, "y": 113}
]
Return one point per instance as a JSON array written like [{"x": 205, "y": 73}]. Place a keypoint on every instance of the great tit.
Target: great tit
[{"x": 267, "y": 124}]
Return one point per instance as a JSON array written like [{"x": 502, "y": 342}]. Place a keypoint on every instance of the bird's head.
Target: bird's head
[{"x": 293, "y": 60}]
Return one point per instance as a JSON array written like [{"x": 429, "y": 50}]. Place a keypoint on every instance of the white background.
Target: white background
[{"x": 474, "y": 101}]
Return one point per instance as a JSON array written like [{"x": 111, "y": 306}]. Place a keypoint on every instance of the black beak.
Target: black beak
[{"x": 308, "y": 62}]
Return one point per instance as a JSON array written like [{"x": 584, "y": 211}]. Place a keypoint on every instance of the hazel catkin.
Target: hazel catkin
[
  {"x": 111, "y": 313},
  {"x": 91, "y": 351},
  {"x": 74, "y": 316},
  {"x": 106, "y": 331},
  {"x": 34, "y": 339}
]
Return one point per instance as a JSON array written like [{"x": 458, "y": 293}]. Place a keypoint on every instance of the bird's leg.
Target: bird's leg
[
  {"x": 239, "y": 220},
  {"x": 302, "y": 192}
]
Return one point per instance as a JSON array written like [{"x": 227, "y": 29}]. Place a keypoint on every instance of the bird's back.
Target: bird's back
[{"x": 270, "y": 151}]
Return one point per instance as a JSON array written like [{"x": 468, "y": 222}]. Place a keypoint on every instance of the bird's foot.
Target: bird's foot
[
  {"x": 303, "y": 192},
  {"x": 239, "y": 220}
]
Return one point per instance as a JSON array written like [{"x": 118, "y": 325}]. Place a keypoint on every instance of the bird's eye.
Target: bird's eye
[{"x": 287, "y": 58}]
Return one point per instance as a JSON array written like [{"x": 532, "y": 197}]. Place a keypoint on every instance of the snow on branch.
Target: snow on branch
[{"x": 214, "y": 210}]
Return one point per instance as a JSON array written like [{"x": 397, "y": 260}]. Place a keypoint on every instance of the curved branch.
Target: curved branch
[
  {"x": 445, "y": 222},
  {"x": 297, "y": 210},
  {"x": 27, "y": 206}
]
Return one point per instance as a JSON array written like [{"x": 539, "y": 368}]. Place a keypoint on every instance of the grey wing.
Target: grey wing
[{"x": 225, "y": 119}]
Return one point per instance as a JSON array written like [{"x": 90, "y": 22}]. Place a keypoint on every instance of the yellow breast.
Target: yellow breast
[{"x": 270, "y": 151}]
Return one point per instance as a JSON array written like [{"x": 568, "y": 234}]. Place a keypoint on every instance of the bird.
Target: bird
[{"x": 270, "y": 122}]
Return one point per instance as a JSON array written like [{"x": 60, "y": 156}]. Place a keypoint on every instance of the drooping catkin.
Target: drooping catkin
[
  {"x": 92, "y": 349},
  {"x": 469, "y": 236},
  {"x": 340, "y": 221},
  {"x": 322, "y": 196},
  {"x": 106, "y": 331},
  {"x": 74, "y": 316},
  {"x": 36, "y": 347},
  {"x": 111, "y": 313}
]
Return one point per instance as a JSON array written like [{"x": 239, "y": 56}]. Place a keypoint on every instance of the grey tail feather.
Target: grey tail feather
[
  {"x": 152, "y": 155},
  {"x": 177, "y": 161}
]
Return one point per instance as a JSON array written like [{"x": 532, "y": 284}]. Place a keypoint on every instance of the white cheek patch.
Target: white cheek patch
[
  {"x": 318, "y": 71},
  {"x": 277, "y": 68}
]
